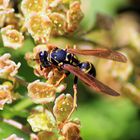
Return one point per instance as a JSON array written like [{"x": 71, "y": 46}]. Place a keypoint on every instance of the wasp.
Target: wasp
[{"x": 66, "y": 60}]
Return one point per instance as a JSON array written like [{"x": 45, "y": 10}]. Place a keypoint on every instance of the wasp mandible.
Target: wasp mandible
[{"x": 66, "y": 60}]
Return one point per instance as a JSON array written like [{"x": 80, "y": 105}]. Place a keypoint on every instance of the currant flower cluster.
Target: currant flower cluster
[
  {"x": 52, "y": 17},
  {"x": 40, "y": 19},
  {"x": 8, "y": 71}
]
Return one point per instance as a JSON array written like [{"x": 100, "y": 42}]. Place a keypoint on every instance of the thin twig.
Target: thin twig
[{"x": 21, "y": 81}]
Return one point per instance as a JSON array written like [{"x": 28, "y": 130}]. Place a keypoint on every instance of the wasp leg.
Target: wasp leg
[
  {"x": 75, "y": 96},
  {"x": 62, "y": 78},
  {"x": 75, "y": 92},
  {"x": 41, "y": 68}
]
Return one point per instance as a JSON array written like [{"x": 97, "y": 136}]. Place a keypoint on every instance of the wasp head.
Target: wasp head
[{"x": 43, "y": 57}]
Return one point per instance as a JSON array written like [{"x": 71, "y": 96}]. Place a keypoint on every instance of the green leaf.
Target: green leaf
[
  {"x": 19, "y": 109},
  {"x": 6, "y": 130}
]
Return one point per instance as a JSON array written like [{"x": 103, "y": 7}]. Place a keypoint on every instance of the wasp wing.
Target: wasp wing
[
  {"x": 90, "y": 81},
  {"x": 100, "y": 52}
]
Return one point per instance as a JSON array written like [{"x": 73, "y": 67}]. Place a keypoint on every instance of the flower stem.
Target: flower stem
[{"x": 21, "y": 81}]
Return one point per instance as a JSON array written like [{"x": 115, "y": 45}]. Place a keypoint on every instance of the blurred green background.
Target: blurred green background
[{"x": 102, "y": 117}]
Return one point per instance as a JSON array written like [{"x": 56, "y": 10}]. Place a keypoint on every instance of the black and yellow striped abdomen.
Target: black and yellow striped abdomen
[{"x": 88, "y": 68}]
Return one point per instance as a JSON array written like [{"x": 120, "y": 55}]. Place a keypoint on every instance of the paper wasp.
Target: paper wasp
[{"x": 65, "y": 59}]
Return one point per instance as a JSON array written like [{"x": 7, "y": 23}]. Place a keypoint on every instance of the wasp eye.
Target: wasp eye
[{"x": 41, "y": 54}]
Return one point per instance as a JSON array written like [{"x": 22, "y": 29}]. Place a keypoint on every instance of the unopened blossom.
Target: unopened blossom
[
  {"x": 42, "y": 121},
  {"x": 63, "y": 106},
  {"x": 8, "y": 68},
  {"x": 42, "y": 92},
  {"x": 74, "y": 16},
  {"x": 12, "y": 38},
  {"x": 5, "y": 94},
  {"x": 39, "y": 26},
  {"x": 30, "y": 6},
  {"x": 71, "y": 131},
  {"x": 13, "y": 137},
  {"x": 58, "y": 23}
]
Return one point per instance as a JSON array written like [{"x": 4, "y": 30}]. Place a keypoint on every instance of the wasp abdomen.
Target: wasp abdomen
[{"x": 88, "y": 67}]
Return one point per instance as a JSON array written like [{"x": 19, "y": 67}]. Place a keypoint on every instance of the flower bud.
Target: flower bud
[
  {"x": 59, "y": 23},
  {"x": 74, "y": 16},
  {"x": 71, "y": 131}
]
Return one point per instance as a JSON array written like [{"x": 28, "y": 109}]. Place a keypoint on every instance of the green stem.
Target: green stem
[
  {"x": 21, "y": 81},
  {"x": 23, "y": 104}
]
